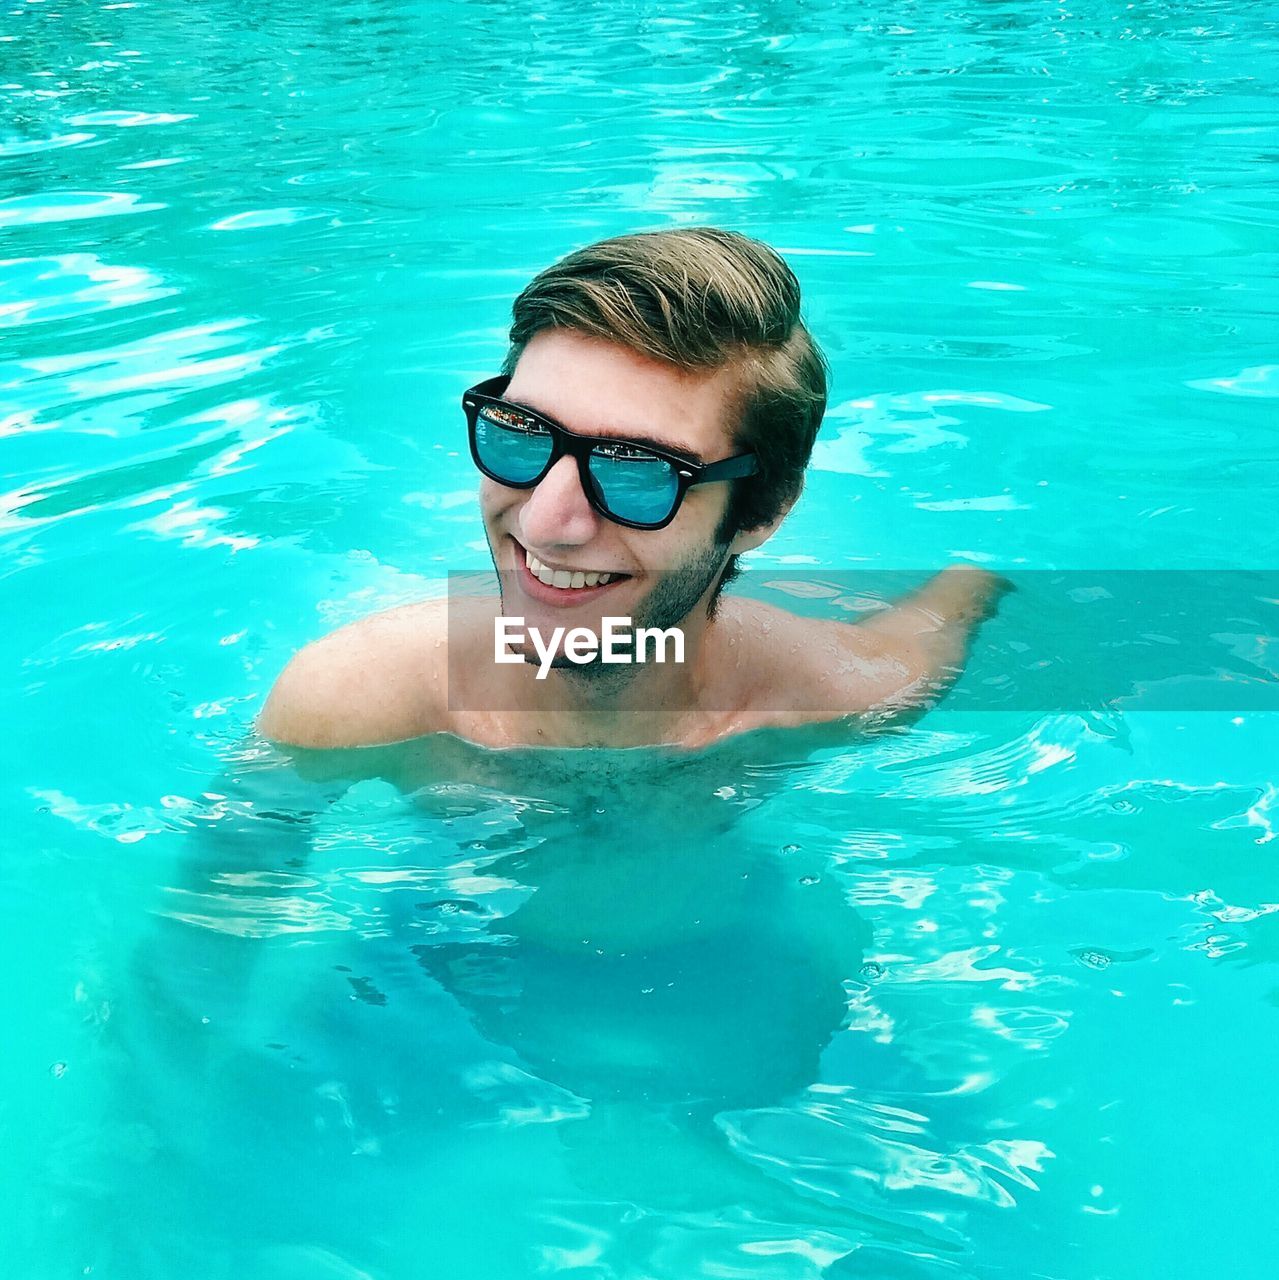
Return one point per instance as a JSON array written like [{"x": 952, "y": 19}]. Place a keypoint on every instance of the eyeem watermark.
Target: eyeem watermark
[
  {"x": 618, "y": 642},
  {"x": 1066, "y": 641}
]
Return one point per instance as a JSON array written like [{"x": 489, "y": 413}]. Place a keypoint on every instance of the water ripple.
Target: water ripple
[
  {"x": 828, "y": 1149},
  {"x": 1258, "y": 380},
  {"x": 255, "y": 219},
  {"x": 32, "y": 146},
  {"x": 68, "y": 206},
  {"x": 902, "y": 423},
  {"x": 72, "y": 284},
  {"x": 127, "y": 119}
]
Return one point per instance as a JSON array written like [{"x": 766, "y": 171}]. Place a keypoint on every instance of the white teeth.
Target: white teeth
[{"x": 564, "y": 578}]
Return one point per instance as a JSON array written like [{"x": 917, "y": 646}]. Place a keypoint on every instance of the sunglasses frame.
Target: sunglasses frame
[{"x": 572, "y": 444}]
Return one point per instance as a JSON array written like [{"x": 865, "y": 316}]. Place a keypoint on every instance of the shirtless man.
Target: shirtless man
[
  {"x": 653, "y": 421},
  {"x": 606, "y": 933}
]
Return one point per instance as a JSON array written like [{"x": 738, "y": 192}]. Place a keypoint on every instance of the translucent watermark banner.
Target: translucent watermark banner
[{"x": 1052, "y": 641}]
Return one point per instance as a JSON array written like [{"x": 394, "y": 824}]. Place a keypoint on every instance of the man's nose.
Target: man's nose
[{"x": 557, "y": 512}]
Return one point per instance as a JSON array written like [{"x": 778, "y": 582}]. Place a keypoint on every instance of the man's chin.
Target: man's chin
[{"x": 592, "y": 673}]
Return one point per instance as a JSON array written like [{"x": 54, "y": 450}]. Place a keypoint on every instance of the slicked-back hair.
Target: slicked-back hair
[{"x": 701, "y": 298}]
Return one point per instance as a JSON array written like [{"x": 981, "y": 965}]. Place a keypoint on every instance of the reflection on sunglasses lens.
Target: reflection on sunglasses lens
[
  {"x": 640, "y": 488},
  {"x": 516, "y": 452}
]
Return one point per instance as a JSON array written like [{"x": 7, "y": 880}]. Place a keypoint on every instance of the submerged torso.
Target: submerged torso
[{"x": 600, "y": 918}]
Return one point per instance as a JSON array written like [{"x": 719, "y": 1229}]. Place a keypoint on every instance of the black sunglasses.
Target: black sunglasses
[{"x": 637, "y": 485}]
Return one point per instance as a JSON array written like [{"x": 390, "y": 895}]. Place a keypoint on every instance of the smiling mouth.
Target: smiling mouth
[{"x": 565, "y": 581}]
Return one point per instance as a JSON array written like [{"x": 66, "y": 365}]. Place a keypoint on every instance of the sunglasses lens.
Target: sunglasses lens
[
  {"x": 634, "y": 485},
  {"x": 511, "y": 446}
]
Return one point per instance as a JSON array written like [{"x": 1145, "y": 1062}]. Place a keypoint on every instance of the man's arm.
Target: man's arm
[
  {"x": 932, "y": 627},
  {"x": 905, "y": 657}
]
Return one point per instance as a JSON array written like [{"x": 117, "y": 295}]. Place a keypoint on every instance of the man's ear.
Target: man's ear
[{"x": 749, "y": 539}]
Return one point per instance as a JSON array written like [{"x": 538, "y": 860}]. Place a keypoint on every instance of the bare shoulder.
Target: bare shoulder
[{"x": 378, "y": 680}]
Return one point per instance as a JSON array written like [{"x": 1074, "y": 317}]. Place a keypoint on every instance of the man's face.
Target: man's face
[{"x": 659, "y": 577}]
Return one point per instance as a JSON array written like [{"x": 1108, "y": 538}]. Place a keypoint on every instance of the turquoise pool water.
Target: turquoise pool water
[{"x": 997, "y": 996}]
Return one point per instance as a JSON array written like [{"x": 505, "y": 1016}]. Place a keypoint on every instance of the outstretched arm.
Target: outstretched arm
[{"x": 910, "y": 653}]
